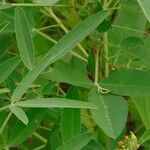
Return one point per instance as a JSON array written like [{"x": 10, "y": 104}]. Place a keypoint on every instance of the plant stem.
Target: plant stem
[
  {"x": 38, "y": 136},
  {"x": 105, "y": 37},
  {"x": 3, "y": 108},
  {"x": 106, "y": 55},
  {"x": 128, "y": 28},
  {"x": 5, "y": 122},
  {"x": 54, "y": 41},
  {"x": 96, "y": 66},
  {"x": 60, "y": 24}
]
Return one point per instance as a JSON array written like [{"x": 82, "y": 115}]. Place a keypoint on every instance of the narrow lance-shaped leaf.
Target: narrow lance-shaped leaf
[
  {"x": 70, "y": 119},
  {"x": 8, "y": 67},
  {"x": 128, "y": 83},
  {"x": 54, "y": 103},
  {"x": 144, "y": 4},
  {"x": 24, "y": 38},
  {"x": 19, "y": 113},
  {"x": 67, "y": 43},
  {"x": 112, "y": 113},
  {"x": 77, "y": 142}
]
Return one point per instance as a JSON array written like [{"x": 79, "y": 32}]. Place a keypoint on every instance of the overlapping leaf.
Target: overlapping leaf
[{"x": 68, "y": 42}]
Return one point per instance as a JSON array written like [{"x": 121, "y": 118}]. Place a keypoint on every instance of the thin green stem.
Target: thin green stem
[
  {"x": 61, "y": 25},
  {"x": 4, "y": 108},
  {"x": 45, "y": 36},
  {"x": 54, "y": 41},
  {"x": 128, "y": 28},
  {"x": 43, "y": 140},
  {"x": 47, "y": 27},
  {"x": 96, "y": 66},
  {"x": 5, "y": 122},
  {"x": 38, "y": 136},
  {"x": 106, "y": 55}
]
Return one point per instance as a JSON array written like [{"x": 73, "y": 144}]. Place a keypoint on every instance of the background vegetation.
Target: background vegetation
[{"x": 74, "y": 74}]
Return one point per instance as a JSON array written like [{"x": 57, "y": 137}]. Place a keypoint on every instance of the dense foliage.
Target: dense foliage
[{"x": 74, "y": 74}]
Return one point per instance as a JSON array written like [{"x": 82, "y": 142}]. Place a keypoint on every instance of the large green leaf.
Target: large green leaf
[
  {"x": 19, "y": 113},
  {"x": 67, "y": 43},
  {"x": 54, "y": 103},
  {"x": 7, "y": 67},
  {"x": 24, "y": 38},
  {"x": 128, "y": 82},
  {"x": 142, "y": 104},
  {"x": 73, "y": 73},
  {"x": 112, "y": 113},
  {"x": 128, "y": 22},
  {"x": 70, "y": 119},
  {"x": 77, "y": 142},
  {"x": 144, "y": 4}
]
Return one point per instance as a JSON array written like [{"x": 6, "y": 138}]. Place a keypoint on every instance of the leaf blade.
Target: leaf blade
[
  {"x": 24, "y": 38},
  {"x": 70, "y": 118},
  {"x": 54, "y": 103}
]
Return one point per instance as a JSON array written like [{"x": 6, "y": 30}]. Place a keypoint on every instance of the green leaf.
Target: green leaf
[
  {"x": 142, "y": 104},
  {"x": 19, "y": 113},
  {"x": 129, "y": 22},
  {"x": 73, "y": 72},
  {"x": 128, "y": 82},
  {"x": 20, "y": 132},
  {"x": 112, "y": 113},
  {"x": 67, "y": 43},
  {"x": 54, "y": 103},
  {"x": 138, "y": 48},
  {"x": 144, "y": 4},
  {"x": 7, "y": 67},
  {"x": 70, "y": 119},
  {"x": 145, "y": 137},
  {"x": 77, "y": 142},
  {"x": 24, "y": 38}
]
